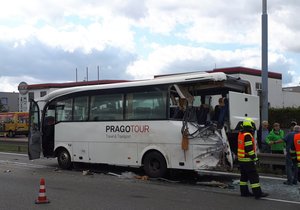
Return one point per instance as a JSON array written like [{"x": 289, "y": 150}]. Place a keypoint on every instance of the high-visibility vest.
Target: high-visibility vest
[
  {"x": 297, "y": 145},
  {"x": 242, "y": 155}
]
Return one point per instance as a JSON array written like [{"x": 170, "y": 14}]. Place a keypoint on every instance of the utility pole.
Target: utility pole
[
  {"x": 264, "y": 62},
  {"x": 76, "y": 75},
  {"x": 87, "y": 74}
]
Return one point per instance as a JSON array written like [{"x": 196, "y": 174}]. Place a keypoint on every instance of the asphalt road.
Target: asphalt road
[{"x": 20, "y": 179}]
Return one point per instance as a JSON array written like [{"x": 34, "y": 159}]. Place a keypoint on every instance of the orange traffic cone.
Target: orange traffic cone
[{"x": 42, "y": 193}]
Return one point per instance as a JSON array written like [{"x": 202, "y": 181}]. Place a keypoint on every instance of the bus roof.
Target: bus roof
[{"x": 166, "y": 79}]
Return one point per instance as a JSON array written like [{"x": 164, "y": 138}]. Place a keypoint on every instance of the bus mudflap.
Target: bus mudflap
[{"x": 34, "y": 145}]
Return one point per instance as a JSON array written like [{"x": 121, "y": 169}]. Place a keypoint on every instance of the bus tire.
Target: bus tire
[
  {"x": 154, "y": 164},
  {"x": 64, "y": 159}
]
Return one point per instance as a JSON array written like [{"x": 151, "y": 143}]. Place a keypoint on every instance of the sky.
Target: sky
[{"x": 46, "y": 41}]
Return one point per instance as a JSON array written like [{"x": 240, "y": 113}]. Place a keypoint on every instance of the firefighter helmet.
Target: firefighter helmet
[{"x": 248, "y": 122}]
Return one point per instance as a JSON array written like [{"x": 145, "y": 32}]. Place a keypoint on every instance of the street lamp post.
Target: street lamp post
[{"x": 264, "y": 62}]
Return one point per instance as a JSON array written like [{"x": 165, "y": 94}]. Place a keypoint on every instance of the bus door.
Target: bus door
[
  {"x": 34, "y": 135},
  {"x": 241, "y": 106}
]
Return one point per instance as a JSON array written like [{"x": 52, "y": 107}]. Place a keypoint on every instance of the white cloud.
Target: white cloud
[
  {"x": 168, "y": 59},
  {"x": 41, "y": 38},
  {"x": 10, "y": 84},
  {"x": 177, "y": 58},
  {"x": 104, "y": 29}
]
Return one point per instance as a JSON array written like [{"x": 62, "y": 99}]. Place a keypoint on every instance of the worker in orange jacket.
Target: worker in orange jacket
[
  {"x": 247, "y": 160},
  {"x": 295, "y": 154}
]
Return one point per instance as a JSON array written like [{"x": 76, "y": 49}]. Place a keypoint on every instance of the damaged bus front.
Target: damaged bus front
[{"x": 211, "y": 114}]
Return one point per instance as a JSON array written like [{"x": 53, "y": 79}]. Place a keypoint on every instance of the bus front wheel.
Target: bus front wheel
[
  {"x": 64, "y": 159},
  {"x": 155, "y": 164}
]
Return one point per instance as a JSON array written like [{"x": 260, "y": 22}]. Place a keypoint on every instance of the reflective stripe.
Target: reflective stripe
[
  {"x": 298, "y": 152},
  {"x": 251, "y": 152},
  {"x": 299, "y": 165},
  {"x": 247, "y": 133},
  {"x": 255, "y": 185},
  {"x": 248, "y": 143},
  {"x": 241, "y": 150},
  {"x": 243, "y": 183},
  {"x": 293, "y": 154},
  {"x": 245, "y": 159}
]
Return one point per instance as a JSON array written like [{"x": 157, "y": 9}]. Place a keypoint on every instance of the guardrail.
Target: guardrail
[
  {"x": 13, "y": 145},
  {"x": 264, "y": 158},
  {"x": 271, "y": 159}
]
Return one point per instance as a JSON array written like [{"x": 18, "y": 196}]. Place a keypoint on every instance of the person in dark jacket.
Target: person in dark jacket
[
  {"x": 291, "y": 161},
  {"x": 262, "y": 134}
]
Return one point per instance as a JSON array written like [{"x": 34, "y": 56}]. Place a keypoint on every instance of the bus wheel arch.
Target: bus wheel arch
[
  {"x": 154, "y": 164},
  {"x": 63, "y": 158}
]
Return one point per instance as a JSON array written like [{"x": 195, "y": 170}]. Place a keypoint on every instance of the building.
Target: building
[
  {"x": 291, "y": 96},
  {"x": 278, "y": 97},
  {"x": 9, "y": 101},
  {"x": 275, "y": 90}
]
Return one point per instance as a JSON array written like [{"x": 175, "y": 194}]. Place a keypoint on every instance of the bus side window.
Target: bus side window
[
  {"x": 106, "y": 107},
  {"x": 142, "y": 113},
  {"x": 64, "y": 110},
  {"x": 146, "y": 105},
  {"x": 80, "y": 108}
]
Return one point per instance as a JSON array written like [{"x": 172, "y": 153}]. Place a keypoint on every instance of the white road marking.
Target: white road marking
[
  {"x": 279, "y": 200},
  {"x": 28, "y": 165},
  {"x": 236, "y": 174},
  {"x": 10, "y": 153}
]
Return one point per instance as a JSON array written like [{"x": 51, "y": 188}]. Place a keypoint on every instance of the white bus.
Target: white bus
[{"x": 137, "y": 123}]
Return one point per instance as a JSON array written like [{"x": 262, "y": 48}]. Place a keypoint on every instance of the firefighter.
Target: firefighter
[
  {"x": 247, "y": 160},
  {"x": 295, "y": 154}
]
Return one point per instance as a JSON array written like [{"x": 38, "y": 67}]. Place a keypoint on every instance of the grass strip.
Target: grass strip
[{"x": 13, "y": 148}]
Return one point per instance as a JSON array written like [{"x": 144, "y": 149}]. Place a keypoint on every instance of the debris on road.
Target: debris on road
[
  {"x": 165, "y": 180},
  {"x": 144, "y": 178},
  {"x": 7, "y": 171},
  {"x": 57, "y": 170},
  {"x": 113, "y": 174},
  {"x": 215, "y": 184},
  {"x": 129, "y": 175},
  {"x": 87, "y": 172},
  {"x": 236, "y": 182}
]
